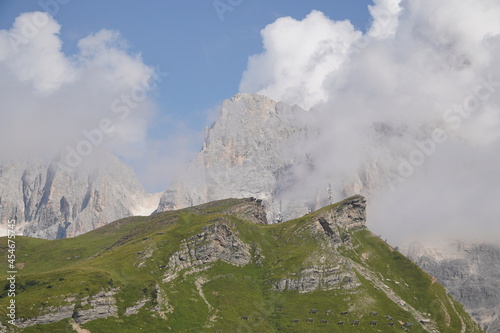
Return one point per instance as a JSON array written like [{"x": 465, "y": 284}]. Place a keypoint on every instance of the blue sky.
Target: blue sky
[{"x": 204, "y": 55}]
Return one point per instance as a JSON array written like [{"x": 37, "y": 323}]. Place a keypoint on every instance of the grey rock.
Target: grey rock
[
  {"x": 349, "y": 215},
  {"x": 332, "y": 271},
  {"x": 242, "y": 154},
  {"x": 102, "y": 305},
  {"x": 48, "y": 201},
  {"x": 252, "y": 151},
  {"x": 470, "y": 272},
  {"x": 136, "y": 307},
  {"x": 318, "y": 278},
  {"x": 53, "y": 315},
  {"x": 215, "y": 242}
]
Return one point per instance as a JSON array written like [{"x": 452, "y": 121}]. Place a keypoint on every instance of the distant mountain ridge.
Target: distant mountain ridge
[
  {"x": 47, "y": 201},
  {"x": 242, "y": 155}
]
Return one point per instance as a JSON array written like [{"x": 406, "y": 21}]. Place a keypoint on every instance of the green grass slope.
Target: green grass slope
[{"x": 129, "y": 259}]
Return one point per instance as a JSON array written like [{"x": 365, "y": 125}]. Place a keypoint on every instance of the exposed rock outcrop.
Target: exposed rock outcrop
[
  {"x": 136, "y": 307},
  {"x": 100, "y": 305},
  {"x": 216, "y": 242},
  {"x": 53, "y": 315},
  {"x": 319, "y": 278},
  {"x": 242, "y": 155},
  {"x": 471, "y": 273},
  {"x": 348, "y": 215},
  {"x": 334, "y": 222}
]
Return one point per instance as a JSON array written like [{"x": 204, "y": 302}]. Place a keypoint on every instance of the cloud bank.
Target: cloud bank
[
  {"x": 409, "y": 109},
  {"x": 49, "y": 98},
  {"x": 73, "y": 105}
]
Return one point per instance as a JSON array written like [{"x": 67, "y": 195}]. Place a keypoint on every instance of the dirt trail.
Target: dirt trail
[
  {"x": 77, "y": 327},
  {"x": 464, "y": 327},
  {"x": 370, "y": 276}
]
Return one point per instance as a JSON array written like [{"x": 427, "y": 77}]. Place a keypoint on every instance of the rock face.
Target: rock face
[
  {"x": 471, "y": 273},
  {"x": 46, "y": 201},
  {"x": 349, "y": 214},
  {"x": 336, "y": 272},
  {"x": 252, "y": 151},
  {"x": 216, "y": 242},
  {"x": 320, "y": 278},
  {"x": 242, "y": 155},
  {"x": 100, "y": 305}
]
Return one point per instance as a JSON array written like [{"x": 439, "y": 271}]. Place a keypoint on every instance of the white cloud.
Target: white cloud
[
  {"x": 378, "y": 95},
  {"x": 385, "y": 14},
  {"x": 52, "y": 102},
  {"x": 49, "y": 100},
  {"x": 33, "y": 52},
  {"x": 298, "y": 57}
]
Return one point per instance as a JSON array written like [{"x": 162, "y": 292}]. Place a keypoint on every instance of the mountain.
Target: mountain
[
  {"x": 243, "y": 155},
  {"x": 471, "y": 273},
  {"x": 48, "y": 201},
  {"x": 220, "y": 267}
]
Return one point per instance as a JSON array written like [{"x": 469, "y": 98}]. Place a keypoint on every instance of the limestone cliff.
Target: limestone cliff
[
  {"x": 471, "y": 272},
  {"x": 47, "y": 201},
  {"x": 242, "y": 154}
]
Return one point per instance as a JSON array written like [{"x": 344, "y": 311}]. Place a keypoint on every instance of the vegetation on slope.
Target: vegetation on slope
[{"x": 130, "y": 258}]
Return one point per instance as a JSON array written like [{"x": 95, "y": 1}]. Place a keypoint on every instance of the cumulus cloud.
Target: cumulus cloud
[
  {"x": 55, "y": 104},
  {"x": 32, "y": 52},
  {"x": 385, "y": 14},
  {"x": 407, "y": 112},
  {"x": 298, "y": 56}
]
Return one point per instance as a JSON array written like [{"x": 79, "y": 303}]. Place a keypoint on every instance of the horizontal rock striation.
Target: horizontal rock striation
[{"x": 216, "y": 242}]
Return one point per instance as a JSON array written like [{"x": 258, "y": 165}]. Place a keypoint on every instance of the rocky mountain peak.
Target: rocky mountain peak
[{"x": 241, "y": 156}]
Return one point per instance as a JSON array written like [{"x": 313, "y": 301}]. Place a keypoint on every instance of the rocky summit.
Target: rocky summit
[
  {"x": 242, "y": 155},
  {"x": 219, "y": 267}
]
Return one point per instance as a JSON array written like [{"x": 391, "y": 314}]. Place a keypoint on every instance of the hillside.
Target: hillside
[{"x": 219, "y": 267}]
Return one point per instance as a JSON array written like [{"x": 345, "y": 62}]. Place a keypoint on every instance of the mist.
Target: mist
[
  {"x": 71, "y": 107},
  {"x": 406, "y": 113}
]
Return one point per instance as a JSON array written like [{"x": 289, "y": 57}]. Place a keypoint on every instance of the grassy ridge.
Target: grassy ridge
[{"x": 130, "y": 256}]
